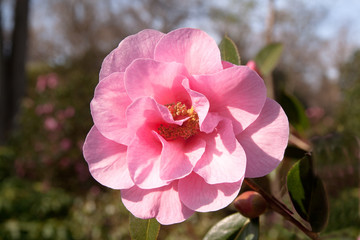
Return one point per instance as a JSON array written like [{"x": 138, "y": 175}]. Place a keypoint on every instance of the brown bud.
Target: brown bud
[{"x": 250, "y": 204}]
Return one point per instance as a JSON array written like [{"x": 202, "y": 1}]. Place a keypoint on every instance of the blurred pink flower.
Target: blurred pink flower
[
  {"x": 65, "y": 144},
  {"x": 44, "y": 109},
  {"x": 52, "y": 80},
  {"x": 176, "y": 129},
  {"x": 69, "y": 112},
  {"x": 252, "y": 65},
  {"x": 41, "y": 84},
  {"x": 51, "y": 124},
  {"x": 315, "y": 113}
]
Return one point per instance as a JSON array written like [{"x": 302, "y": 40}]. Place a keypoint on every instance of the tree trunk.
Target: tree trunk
[
  {"x": 13, "y": 76},
  {"x": 3, "y": 95},
  {"x": 269, "y": 39}
]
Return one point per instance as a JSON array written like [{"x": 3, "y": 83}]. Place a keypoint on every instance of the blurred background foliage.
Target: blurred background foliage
[{"x": 46, "y": 191}]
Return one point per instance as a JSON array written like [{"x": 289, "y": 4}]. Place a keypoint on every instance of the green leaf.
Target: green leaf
[
  {"x": 299, "y": 182},
  {"x": 319, "y": 207},
  {"x": 268, "y": 57},
  {"x": 226, "y": 228},
  {"x": 307, "y": 194},
  {"x": 229, "y": 51},
  {"x": 294, "y": 110},
  {"x": 250, "y": 231},
  {"x": 143, "y": 229}
]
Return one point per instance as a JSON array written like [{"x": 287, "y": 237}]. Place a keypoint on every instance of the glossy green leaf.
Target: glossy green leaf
[
  {"x": 299, "y": 182},
  {"x": 319, "y": 207},
  {"x": 294, "y": 110},
  {"x": 307, "y": 194},
  {"x": 226, "y": 228},
  {"x": 268, "y": 57},
  {"x": 143, "y": 229},
  {"x": 250, "y": 231},
  {"x": 229, "y": 51}
]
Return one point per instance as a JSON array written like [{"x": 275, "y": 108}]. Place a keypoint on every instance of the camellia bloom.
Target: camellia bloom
[{"x": 176, "y": 129}]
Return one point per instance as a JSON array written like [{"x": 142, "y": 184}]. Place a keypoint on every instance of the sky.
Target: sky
[{"x": 341, "y": 13}]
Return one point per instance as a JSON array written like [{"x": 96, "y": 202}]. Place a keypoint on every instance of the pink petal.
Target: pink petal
[
  {"x": 265, "y": 140},
  {"x": 147, "y": 114},
  {"x": 224, "y": 160},
  {"x": 200, "y": 104},
  {"x": 107, "y": 160},
  {"x": 200, "y": 196},
  {"x": 237, "y": 93},
  {"x": 163, "y": 203},
  {"x": 191, "y": 47},
  {"x": 210, "y": 122},
  {"x": 108, "y": 108},
  {"x": 140, "y": 45},
  {"x": 143, "y": 156},
  {"x": 159, "y": 80},
  {"x": 226, "y": 64},
  {"x": 144, "y": 116},
  {"x": 178, "y": 157}
]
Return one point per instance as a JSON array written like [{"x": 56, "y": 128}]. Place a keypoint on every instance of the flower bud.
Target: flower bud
[
  {"x": 252, "y": 65},
  {"x": 250, "y": 204}
]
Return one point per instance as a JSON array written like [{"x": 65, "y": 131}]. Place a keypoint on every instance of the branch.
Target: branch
[{"x": 280, "y": 208}]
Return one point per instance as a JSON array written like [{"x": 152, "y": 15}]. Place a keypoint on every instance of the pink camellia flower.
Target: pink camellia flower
[{"x": 176, "y": 129}]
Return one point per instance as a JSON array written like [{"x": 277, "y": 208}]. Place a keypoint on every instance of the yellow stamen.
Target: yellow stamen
[{"x": 189, "y": 128}]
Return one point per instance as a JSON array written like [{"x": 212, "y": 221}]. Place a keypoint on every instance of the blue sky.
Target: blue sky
[{"x": 341, "y": 13}]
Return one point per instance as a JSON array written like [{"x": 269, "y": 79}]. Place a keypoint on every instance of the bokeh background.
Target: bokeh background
[{"x": 51, "y": 52}]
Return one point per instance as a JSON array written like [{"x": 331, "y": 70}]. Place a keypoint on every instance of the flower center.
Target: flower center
[{"x": 189, "y": 128}]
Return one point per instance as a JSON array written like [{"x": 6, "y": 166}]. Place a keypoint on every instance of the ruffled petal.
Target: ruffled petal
[
  {"x": 210, "y": 122},
  {"x": 200, "y": 196},
  {"x": 237, "y": 93},
  {"x": 108, "y": 108},
  {"x": 107, "y": 160},
  {"x": 162, "y": 203},
  {"x": 147, "y": 114},
  {"x": 143, "y": 156},
  {"x": 191, "y": 47},
  {"x": 224, "y": 160},
  {"x": 140, "y": 45},
  {"x": 200, "y": 104},
  {"x": 178, "y": 157},
  {"x": 159, "y": 80},
  {"x": 144, "y": 117},
  {"x": 265, "y": 140}
]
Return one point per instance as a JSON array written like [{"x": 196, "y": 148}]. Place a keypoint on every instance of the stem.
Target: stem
[
  {"x": 280, "y": 208},
  {"x": 299, "y": 143}
]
